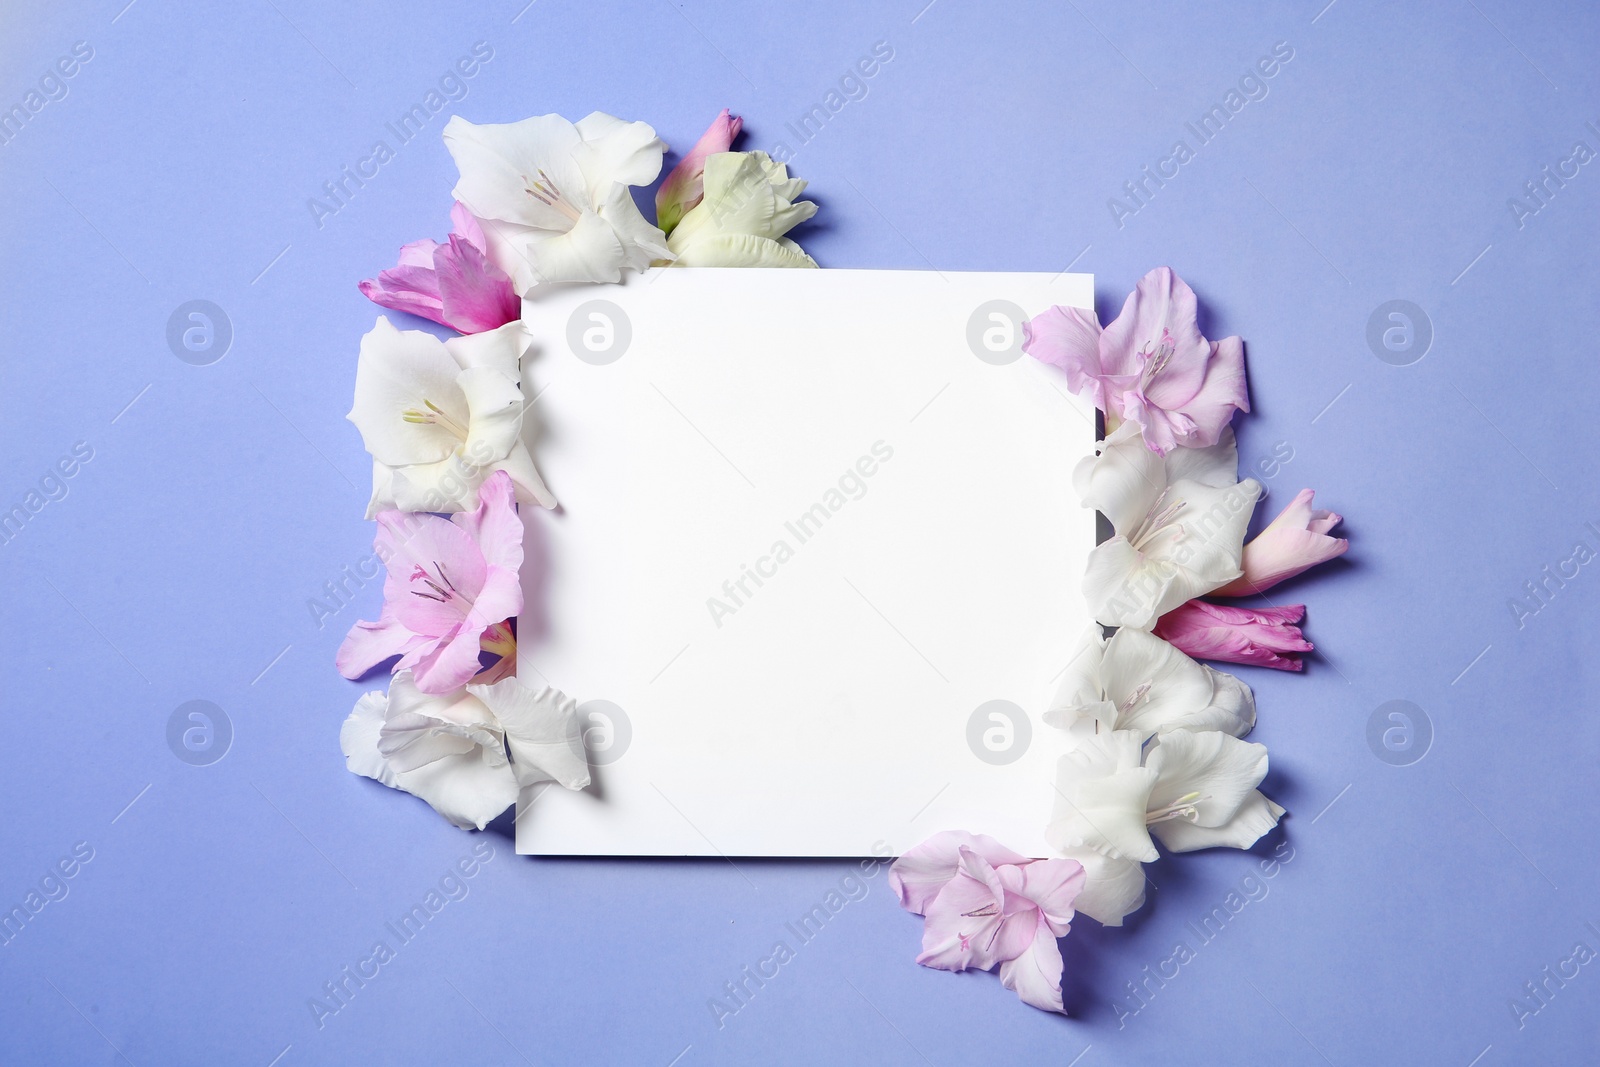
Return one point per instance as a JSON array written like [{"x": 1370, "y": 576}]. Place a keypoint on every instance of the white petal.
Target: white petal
[
  {"x": 1175, "y": 689},
  {"x": 399, "y": 370},
  {"x": 1222, "y": 769},
  {"x": 507, "y": 245},
  {"x": 358, "y": 737},
  {"x": 617, "y": 151},
  {"x": 499, "y": 349},
  {"x": 740, "y": 250},
  {"x": 1123, "y": 481},
  {"x": 1080, "y": 695},
  {"x": 382, "y": 498},
  {"x": 1214, "y": 516},
  {"x": 466, "y": 789},
  {"x": 494, "y": 400},
  {"x": 1113, "y": 886},
  {"x": 589, "y": 252},
  {"x": 640, "y": 240},
  {"x": 1233, "y": 706},
  {"x": 1124, "y": 587},
  {"x": 499, "y": 162},
  {"x": 421, "y": 728},
  {"x": 525, "y": 476},
  {"x": 447, "y": 486},
  {"x": 1216, "y": 466},
  {"x": 1102, "y": 794},
  {"x": 542, "y": 730},
  {"x": 1255, "y": 817}
]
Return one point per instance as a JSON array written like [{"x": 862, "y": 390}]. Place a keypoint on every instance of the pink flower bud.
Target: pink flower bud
[
  {"x": 1295, "y": 541},
  {"x": 685, "y": 186},
  {"x": 1256, "y": 636}
]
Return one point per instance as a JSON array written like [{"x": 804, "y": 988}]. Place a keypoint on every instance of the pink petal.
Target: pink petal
[
  {"x": 965, "y": 918},
  {"x": 1069, "y": 338},
  {"x": 1053, "y": 885},
  {"x": 1222, "y": 392},
  {"x": 449, "y": 664},
  {"x": 435, "y": 571},
  {"x": 1035, "y": 974},
  {"x": 370, "y": 643},
  {"x": 917, "y": 876},
  {"x": 1161, "y": 310},
  {"x": 418, "y": 253},
  {"x": 475, "y": 296},
  {"x": 392, "y": 290},
  {"x": 494, "y": 524},
  {"x": 464, "y": 224}
]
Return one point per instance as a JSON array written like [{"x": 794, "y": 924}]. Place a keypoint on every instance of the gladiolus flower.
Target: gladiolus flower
[
  {"x": 1295, "y": 541},
  {"x": 453, "y": 284},
  {"x": 986, "y": 905},
  {"x": 1150, "y": 366},
  {"x": 1262, "y": 637},
  {"x": 685, "y": 186}
]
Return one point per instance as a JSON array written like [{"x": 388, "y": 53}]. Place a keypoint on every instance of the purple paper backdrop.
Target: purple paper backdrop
[{"x": 1433, "y": 882}]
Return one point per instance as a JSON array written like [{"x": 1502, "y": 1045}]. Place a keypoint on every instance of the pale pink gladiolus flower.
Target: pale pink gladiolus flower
[
  {"x": 1150, "y": 366},
  {"x": 1295, "y": 541},
  {"x": 685, "y": 186},
  {"x": 453, "y": 284},
  {"x": 452, "y": 583},
  {"x": 1261, "y": 637},
  {"x": 986, "y": 905}
]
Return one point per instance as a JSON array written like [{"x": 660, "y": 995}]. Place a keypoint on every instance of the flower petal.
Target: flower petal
[
  {"x": 435, "y": 571},
  {"x": 474, "y": 294},
  {"x": 1122, "y": 481},
  {"x": 1232, "y": 634},
  {"x": 400, "y": 370},
  {"x": 498, "y": 163},
  {"x": 1069, "y": 338},
  {"x": 493, "y": 525},
  {"x": 1052, "y": 885},
  {"x": 466, "y": 789},
  {"x": 614, "y": 150},
  {"x": 1157, "y": 686},
  {"x": 370, "y": 643},
  {"x": 918, "y": 875},
  {"x": 1222, "y": 392},
  {"x": 1035, "y": 975},
  {"x": 1224, "y": 771},
  {"x": 542, "y": 730},
  {"x": 1113, "y": 886},
  {"x": 1295, "y": 541},
  {"x": 1102, "y": 794},
  {"x": 588, "y": 252},
  {"x": 525, "y": 476},
  {"x": 964, "y": 919},
  {"x": 1254, "y": 817},
  {"x": 1160, "y": 311},
  {"x": 741, "y": 250}
]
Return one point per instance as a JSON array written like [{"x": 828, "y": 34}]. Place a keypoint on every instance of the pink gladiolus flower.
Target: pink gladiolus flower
[
  {"x": 1256, "y": 636},
  {"x": 685, "y": 186},
  {"x": 986, "y": 905},
  {"x": 454, "y": 284},
  {"x": 1151, "y": 366},
  {"x": 451, "y": 581},
  {"x": 1296, "y": 540}
]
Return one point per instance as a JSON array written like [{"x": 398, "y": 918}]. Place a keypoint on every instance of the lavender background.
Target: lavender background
[{"x": 1430, "y": 881}]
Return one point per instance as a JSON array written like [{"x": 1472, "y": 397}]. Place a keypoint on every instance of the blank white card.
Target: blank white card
[{"x": 817, "y": 562}]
